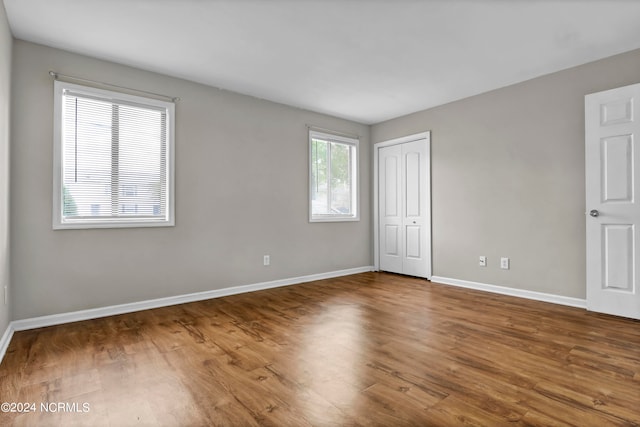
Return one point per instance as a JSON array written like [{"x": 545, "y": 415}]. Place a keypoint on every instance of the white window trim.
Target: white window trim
[
  {"x": 355, "y": 187},
  {"x": 59, "y": 223}
]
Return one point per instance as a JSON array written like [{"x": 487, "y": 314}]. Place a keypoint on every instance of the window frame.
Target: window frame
[
  {"x": 355, "y": 181},
  {"x": 59, "y": 222}
]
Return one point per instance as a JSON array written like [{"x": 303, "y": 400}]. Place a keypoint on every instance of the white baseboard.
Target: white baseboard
[
  {"x": 94, "y": 313},
  {"x": 5, "y": 340},
  {"x": 521, "y": 293}
]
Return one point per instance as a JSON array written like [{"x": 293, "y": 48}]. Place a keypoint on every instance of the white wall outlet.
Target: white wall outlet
[
  {"x": 482, "y": 261},
  {"x": 504, "y": 263},
  {"x": 266, "y": 260}
]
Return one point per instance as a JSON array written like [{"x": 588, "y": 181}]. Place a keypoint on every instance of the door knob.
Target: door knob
[{"x": 594, "y": 213}]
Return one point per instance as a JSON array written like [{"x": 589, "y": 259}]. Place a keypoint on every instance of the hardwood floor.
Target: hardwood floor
[{"x": 372, "y": 349}]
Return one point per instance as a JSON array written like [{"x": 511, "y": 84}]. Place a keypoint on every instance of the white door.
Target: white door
[
  {"x": 390, "y": 208},
  {"x": 612, "y": 201},
  {"x": 404, "y": 220}
]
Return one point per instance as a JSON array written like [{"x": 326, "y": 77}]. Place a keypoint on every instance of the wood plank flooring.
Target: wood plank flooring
[{"x": 372, "y": 349}]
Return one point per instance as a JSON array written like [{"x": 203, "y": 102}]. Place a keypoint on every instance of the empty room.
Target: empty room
[{"x": 319, "y": 213}]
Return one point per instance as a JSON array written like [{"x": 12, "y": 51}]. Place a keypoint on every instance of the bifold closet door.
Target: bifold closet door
[{"x": 403, "y": 208}]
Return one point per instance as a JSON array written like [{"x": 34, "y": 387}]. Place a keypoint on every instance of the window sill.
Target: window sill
[
  {"x": 335, "y": 219},
  {"x": 78, "y": 225}
]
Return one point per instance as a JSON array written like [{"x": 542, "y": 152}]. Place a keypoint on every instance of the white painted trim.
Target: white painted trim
[
  {"x": 5, "y": 340},
  {"x": 376, "y": 242},
  {"x": 403, "y": 139},
  {"x": 520, "y": 293},
  {"x": 94, "y": 313}
]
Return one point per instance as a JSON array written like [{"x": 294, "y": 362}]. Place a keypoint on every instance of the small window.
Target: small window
[
  {"x": 333, "y": 173},
  {"x": 113, "y": 159}
]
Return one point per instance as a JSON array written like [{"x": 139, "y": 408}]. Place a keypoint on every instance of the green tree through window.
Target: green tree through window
[{"x": 69, "y": 204}]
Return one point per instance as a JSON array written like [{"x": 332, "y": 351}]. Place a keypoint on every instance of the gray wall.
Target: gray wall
[
  {"x": 508, "y": 177},
  {"x": 241, "y": 192},
  {"x": 507, "y": 170},
  {"x": 6, "y": 42}
]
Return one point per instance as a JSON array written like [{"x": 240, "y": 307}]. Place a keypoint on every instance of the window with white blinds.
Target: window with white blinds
[{"x": 113, "y": 159}]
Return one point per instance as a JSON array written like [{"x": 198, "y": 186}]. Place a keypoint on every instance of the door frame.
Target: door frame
[{"x": 376, "y": 220}]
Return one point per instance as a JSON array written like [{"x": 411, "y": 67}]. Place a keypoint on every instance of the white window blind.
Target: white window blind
[
  {"x": 113, "y": 159},
  {"x": 333, "y": 172}
]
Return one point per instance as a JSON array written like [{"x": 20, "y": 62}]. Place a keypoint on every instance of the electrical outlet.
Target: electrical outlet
[
  {"x": 504, "y": 263},
  {"x": 482, "y": 261},
  {"x": 266, "y": 260}
]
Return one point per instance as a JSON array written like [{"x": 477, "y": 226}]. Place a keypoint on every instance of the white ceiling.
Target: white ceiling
[{"x": 365, "y": 60}]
